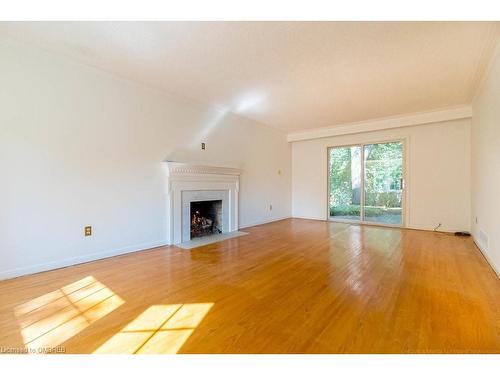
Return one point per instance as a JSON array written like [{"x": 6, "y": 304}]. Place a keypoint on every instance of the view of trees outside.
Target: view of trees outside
[
  {"x": 383, "y": 173},
  {"x": 345, "y": 182}
]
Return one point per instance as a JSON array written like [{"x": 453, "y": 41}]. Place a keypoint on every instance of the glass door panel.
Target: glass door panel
[
  {"x": 383, "y": 183},
  {"x": 344, "y": 183}
]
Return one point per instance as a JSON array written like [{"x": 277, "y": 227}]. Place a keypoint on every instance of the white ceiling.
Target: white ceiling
[{"x": 290, "y": 75}]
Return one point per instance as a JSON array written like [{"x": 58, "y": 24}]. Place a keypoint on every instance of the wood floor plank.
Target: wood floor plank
[{"x": 293, "y": 286}]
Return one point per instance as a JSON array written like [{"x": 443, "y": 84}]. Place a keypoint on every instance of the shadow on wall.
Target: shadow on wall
[{"x": 247, "y": 102}]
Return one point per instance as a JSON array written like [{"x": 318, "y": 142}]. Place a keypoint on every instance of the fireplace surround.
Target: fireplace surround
[{"x": 189, "y": 184}]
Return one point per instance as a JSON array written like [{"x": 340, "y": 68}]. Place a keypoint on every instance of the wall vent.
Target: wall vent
[{"x": 482, "y": 238}]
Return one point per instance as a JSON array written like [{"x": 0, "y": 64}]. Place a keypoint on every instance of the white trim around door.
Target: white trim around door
[{"x": 404, "y": 191}]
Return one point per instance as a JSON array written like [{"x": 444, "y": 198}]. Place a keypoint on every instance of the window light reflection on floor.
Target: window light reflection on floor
[
  {"x": 160, "y": 329},
  {"x": 51, "y": 319}
]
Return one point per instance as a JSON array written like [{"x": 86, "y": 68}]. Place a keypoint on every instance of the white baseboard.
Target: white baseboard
[
  {"x": 16, "y": 272},
  {"x": 488, "y": 259},
  {"x": 428, "y": 229},
  {"x": 260, "y": 222},
  {"x": 443, "y": 230},
  {"x": 309, "y": 218},
  {"x": 48, "y": 266}
]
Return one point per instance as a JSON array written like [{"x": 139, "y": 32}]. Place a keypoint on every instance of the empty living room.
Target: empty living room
[{"x": 224, "y": 186}]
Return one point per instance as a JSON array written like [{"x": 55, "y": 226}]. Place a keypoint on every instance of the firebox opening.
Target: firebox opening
[{"x": 206, "y": 218}]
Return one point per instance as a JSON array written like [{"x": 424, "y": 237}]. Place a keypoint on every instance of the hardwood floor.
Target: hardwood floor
[{"x": 293, "y": 286}]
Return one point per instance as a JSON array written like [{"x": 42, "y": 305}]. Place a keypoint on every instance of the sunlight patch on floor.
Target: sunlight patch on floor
[
  {"x": 51, "y": 319},
  {"x": 160, "y": 329}
]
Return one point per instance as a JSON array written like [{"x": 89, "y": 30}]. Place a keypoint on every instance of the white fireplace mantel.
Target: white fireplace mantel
[{"x": 190, "y": 182}]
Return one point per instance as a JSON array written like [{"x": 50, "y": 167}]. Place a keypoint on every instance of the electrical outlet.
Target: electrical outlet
[
  {"x": 270, "y": 207},
  {"x": 203, "y": 145},
  {"x": 88, "y": 231}
]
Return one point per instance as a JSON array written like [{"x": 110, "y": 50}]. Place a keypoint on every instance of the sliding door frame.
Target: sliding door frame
[{"x": 404, "y": 190}]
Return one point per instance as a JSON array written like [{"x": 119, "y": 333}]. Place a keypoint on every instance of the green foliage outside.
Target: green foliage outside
[
  {"x": 383, "y": 173},
  {"x": 355, "y": 210},
  {"x": 340, "y": 176}
]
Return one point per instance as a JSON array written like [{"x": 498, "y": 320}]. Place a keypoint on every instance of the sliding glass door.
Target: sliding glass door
[
  {"x": 345, "y": 182},
  {"x": 365, "y": 183},
  {"x": 383, "y": 183}
]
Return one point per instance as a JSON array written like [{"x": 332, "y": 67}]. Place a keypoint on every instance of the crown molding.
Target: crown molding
[{"x": 414, "y": 119}]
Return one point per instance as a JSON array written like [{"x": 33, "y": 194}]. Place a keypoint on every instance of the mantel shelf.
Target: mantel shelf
[{"x": 177, "y": 169}]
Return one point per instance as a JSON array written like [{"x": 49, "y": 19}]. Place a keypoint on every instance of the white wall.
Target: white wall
[
  {"x": 79, "y": 147},
  {"x": 486, "y": 165},
  {"x": 438, "y": 174}
]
